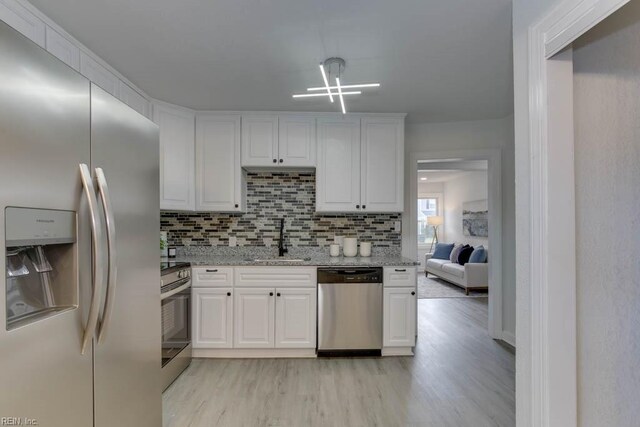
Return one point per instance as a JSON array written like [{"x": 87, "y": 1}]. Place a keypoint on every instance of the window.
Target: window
[{"x": 427, "y": 207}]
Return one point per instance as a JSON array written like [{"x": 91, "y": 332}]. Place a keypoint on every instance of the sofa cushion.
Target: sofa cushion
[
  {"x": 465, "y": 253},
  {"x": 479, "y": 255},
  {"x": 443, "y": 250},
  {"x": 455, "y": 269},
  {"x": 437, "y": 264},
  {"x": 456, "y": 252}
]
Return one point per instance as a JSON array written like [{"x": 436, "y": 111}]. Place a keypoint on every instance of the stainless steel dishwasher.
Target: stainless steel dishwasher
[{"x": 349, "y": 311}]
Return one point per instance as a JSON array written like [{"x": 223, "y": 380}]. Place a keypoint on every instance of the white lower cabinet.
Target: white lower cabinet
[
  {"x": 254, "y": 320},
  {"x": 296, "y": 318},
  {"x": 213, "y": 317},
  {"x": 399, "y": 317}
]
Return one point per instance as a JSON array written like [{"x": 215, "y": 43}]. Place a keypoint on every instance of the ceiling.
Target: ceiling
[
  {"x": 437, "y": 60},
  {"x": 438, "y": 176}
]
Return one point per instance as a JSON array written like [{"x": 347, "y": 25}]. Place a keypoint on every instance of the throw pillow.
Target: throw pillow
[
  {"x": 479, "y": 255},
  {"x": 465, "y": 253},
  {"x": 455, "y": 252},
  {"x": 443, "y": 251}
]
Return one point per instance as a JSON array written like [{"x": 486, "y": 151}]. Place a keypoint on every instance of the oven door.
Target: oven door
[{"x": 176, "y": 318}]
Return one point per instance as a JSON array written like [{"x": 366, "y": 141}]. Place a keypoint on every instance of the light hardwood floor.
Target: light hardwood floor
[{"x": 458, "y": 377}]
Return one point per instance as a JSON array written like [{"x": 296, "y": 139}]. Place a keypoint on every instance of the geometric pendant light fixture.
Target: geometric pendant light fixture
[{"x": 333, "y": 68}]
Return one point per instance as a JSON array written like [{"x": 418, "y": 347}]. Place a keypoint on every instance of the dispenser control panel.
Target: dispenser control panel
[{"x": 29, "y": 226}]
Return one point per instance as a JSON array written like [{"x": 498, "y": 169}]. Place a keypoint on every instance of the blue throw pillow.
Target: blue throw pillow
[
  {"x": 479, "y": 255},
  {"x": 443, "y": 250}
]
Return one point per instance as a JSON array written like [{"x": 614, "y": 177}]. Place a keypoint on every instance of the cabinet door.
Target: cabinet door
[
  {"x": 177, "y": 145},
  {"x": 99, "y": 75},
  {"x": 23, "y": 21},
  {"x": 254, "y": 317},
  {"x": 133, "y": 99},
  {"x": 338, "y": 169},
  {"x": 296, "y": 318},
  {"x": 63, "y": 49},
  {"x": 297, "y": 141},
  {"x": 382, "y": 164},
  {"x": 259, "y": 140},
  {"x": 399, "y": 317},
  {"x": 218, "y": 170},
  {"x": 212, "y": 318}
]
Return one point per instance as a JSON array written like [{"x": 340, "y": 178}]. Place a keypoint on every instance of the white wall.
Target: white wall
[
  {"x": 430, "y": 187},
  {"x": 423, "y": 137},
  {"x": 607, "y": 158},
  {"x": 469, "y": 186}
]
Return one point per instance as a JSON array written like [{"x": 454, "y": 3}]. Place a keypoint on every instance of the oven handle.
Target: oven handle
[{"x": 172, "y": 292}]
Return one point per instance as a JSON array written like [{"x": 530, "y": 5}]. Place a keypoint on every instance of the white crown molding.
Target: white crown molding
[{"x": 49, "y": 22}]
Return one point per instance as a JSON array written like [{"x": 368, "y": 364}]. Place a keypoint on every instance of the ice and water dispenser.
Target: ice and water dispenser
[{"x": 41, "y": 264}]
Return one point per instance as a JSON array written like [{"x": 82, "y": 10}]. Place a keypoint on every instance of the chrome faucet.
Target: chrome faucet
[{"x": 281, "y": 247}]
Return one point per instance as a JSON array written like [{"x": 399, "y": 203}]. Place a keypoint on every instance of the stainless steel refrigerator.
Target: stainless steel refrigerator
[{"x": 80, "y": 340}]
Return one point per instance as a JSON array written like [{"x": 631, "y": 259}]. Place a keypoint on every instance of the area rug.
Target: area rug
[{"x": 433, "y": 287}]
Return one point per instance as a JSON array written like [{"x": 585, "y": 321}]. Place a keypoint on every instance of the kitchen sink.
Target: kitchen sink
[{"x": 293, "y": 260}]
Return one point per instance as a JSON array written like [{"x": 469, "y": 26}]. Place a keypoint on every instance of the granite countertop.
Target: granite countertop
[{"x": 315, "y": 260}]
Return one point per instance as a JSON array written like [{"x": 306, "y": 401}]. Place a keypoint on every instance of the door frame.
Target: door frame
[
  {"x": 410, "y": 223},
  {"x": 546, "y": 360}
]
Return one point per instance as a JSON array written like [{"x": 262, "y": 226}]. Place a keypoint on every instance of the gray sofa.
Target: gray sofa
[{"x": 471, "y": 276}]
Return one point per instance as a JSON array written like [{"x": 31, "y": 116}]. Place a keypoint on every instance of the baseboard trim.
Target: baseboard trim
[
  {"x": 397, "y": 351},
  {"x": 509, "y": 338},
  {"x": 251, "y": 353}
]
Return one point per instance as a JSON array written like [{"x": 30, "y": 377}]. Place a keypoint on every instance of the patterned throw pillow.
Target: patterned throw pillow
[
  {"x": 443, "y": 250},
  {"x": 456, "y": 252},
  {"x": 465, "y": 253}
]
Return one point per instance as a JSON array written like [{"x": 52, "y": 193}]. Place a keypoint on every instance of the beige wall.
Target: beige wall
[{"x": 607, "y": 160}]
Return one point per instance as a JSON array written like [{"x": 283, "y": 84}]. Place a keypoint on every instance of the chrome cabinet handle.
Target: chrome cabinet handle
[
  {"x": 112, "y": 271},
  {"x": 98, "y": 268}
]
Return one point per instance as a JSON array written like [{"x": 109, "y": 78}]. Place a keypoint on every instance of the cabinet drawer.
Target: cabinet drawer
[
  {"x": 276, "y": 276},
  {"x": 399, "y": 277},
  {"x": 207, "y": 277}
]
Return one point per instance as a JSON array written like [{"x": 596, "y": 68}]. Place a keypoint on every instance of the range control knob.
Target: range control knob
[{"x": 180, "y": 274}]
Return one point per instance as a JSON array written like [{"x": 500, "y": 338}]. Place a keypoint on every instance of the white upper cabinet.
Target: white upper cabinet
[
  {"x": 220, "y": 186},
  {"x": 134, "y": 100},
  {"x": 338, "y": 170},
  {"x": 382, "y": 163},
  {"x": 259, "y": 140},
  {"x": 177, "y": 158},
  {"x": 99, "y": 75},
  {"x": 15, "y": 15},
  {"x": 63, "y": 49},
  {"x": 360, "y": 165},
  {"x": 297, "y": 141}
]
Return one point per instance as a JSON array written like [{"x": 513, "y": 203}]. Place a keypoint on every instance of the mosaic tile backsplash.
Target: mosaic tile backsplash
[{"x": 271, "y": 196}]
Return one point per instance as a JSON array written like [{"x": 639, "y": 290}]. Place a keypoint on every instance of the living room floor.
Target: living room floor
[
  {"x": 435, "y": 287},
  {"x": 458, "y": 377}
]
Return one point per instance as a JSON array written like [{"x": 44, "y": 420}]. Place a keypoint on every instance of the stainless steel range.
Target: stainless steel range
[{"x": 176, "y": 319}]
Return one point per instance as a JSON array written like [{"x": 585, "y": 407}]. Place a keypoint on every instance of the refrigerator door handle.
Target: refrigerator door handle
[
  {"x": 112, "y": 271},
  {"x": 98, "y": 268}
]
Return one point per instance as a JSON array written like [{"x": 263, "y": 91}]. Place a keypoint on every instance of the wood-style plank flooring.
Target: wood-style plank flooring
[{"x": 458, "y": 377}]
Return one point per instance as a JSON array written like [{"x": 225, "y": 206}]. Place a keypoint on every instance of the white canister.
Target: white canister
[
  {"x": 334, "y": 250},
  {"x": 365, "y": 249},
  {"x": 350, "y": 248}
]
